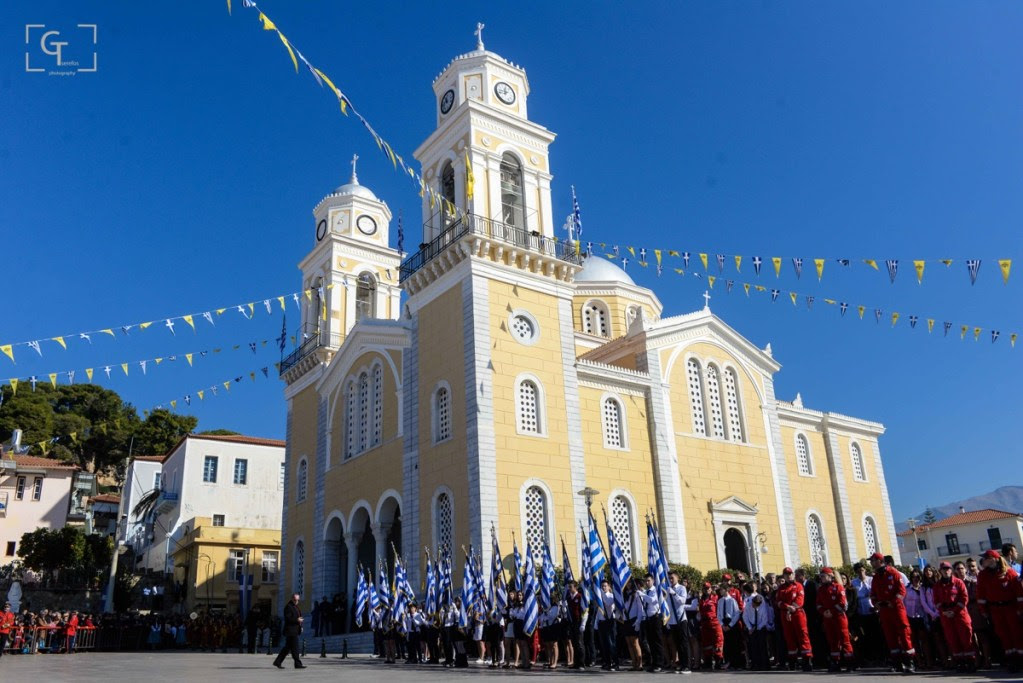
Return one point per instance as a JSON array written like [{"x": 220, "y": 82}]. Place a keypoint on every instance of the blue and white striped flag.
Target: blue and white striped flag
[
  {"x": 517, "y": 578},
  {"x": 597, "y": 559},
  {"x": 547, "y": 578},
  {"x": 531, "y": 609},
  {"x": 620, "y": 572},
  {"x": 566, "y": 563},
  {"x": 444, "y": 596},
  {"x": 361, "y": 598},
  {"x": 468, "y": 590},
  {"x": 430, "y": 606},
  {"x": 482, "y": 601},
  {"x": 584, "y": 568},
  {"x": 374, "y": 598},
  {"x": 657, "y": 566},
  {"x": 577, "y": 216},
  {"x": 382, "y": 588},
  {"x": 497, "y": 588},
  {"x": 401, "y": 598}
]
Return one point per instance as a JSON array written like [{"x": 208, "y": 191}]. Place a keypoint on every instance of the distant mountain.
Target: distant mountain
[{"x": 1008, "y": 498}]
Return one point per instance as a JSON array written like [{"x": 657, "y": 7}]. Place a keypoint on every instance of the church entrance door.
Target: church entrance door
[{"x": 736, "y": 553}]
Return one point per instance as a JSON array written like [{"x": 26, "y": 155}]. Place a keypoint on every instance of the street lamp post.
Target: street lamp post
[
  {"x": 916, "y": 540},
  {"x": 760, "y": 546},
  {"x": 588, "y": 493}
]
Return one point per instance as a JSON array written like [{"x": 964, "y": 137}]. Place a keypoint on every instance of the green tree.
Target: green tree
[
  {"x": 929, "y": 516},
  {"x": 220, "y": 432},
  {"x": 161, "y": 430},
  {"x": 51, "y": 550}
]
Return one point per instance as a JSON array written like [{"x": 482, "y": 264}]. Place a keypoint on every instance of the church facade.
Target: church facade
[{"x": 488, "y": 378}]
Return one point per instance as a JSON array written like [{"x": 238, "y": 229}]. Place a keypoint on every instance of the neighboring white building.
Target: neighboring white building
[
  {"x": 142, "y": 476},
  {"x": 961, "y": 535},
  {"x": 236, "y": 481}
]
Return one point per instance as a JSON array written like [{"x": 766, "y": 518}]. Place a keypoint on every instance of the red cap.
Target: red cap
[
  {"x": 787, "y": 570},
  {"x": 828, "y": 570},
  {"x": 706, "y": 584},
  {"x": 877, "y": 556},
  {"x": 991, "y": 555},
  {"x": 726, "y": 577},
  {"x": 944, "y": 565}
]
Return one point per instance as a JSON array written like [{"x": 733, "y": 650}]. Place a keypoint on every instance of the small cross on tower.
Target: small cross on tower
[
  {"x": 355, "y": 178},
  {"x": 706, "y": 300},
  {"x": 479, "y": 35}
]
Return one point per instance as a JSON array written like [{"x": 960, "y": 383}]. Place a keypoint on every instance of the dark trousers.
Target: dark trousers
[
  {"x": 3, "y": 643},
  {"x": 590, "y": 642},
  {"x": 608, "y": 644},
  {"x": 652, "y": 628},
  {"x": 290, "y": 647},
  {"x": 447, "y": 635},
  {"x": 758, "y": 654},
  {"x": 432, "y": 634},
  {"x": 734, "y": 654},
  {"x": 413, "y": 648},
  {"x": 680, "y": 637},
  {"x": 575, "y": 638}
]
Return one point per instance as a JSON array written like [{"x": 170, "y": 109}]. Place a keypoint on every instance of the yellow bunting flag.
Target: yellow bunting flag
[
  {"x": 711, "y": 279},
  {"x": 962, "y": 331},
  {"x": 390, "y": 155},
  {"x": 60, "y": 340},
  {"x": 323, "y": 310},
  {"x": 337, "y": 93},
  {"x": 1005, "y": 264},
  {"x": 819, "y": 264},
  {"x": 871, "y": 262},
  {"x": 228, "y": 6},
  {"x": 14, "y": 385},
  {"x": 280, "y": 299},
  {"x": 947, "y": 262},
  {"x": 469, "y": 180},
  {"x": 976, "y": 334},
  {"x": 252, "y": 310},
  {"x": 143, "y": 326},
  {"x": 174, "y": 404},
  {"x": 930, "y": 325},
  {"x": 227, "y": 385},
  {"x": 895, "y": 319},
  {"x": 188, "y": 357},
  {"x": 8, "y": 350},
  {"x": 631, "y": 251},
  {"x": 861, "y": 309},
  {"x": 188, "y": 319},
  {"x": 738, "y": 262},
  {"x": 290, "y": 51},
  {"x": 703, "y": 260},
  {"x": 53, "y": 379},
  {"x": 200, "y": 392},
  {"x": 745, "y": 285},
  {"x": 220, "y": 311},
  {"x": 267, "y": 24},
  {"x": 88, "y": 373},
  {"x": 657, "y": 255},
  {"x": 776, "y": 260},
  {"x": 1012, "y": 339},
  {"x": 124, "y": 366},
  {"x": 793, "y": 295},
  {"x": 760, "y": 288},
  {"x": 158, "y": 360},
  {"x": 918, "y": 266},
  {"x": 74, "y": 436},
  {"x": 672, "y": 252},
  {"x": 309, "y": 294},
  {"x": 110, "y": 332},
  {"x": 830, "y": 301},
  {"x": 252, "y": 376}
]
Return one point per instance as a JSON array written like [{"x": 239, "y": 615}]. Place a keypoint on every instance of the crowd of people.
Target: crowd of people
[
  {"x": 957, "y": 616},
  {"x": 46, "y": 632}
]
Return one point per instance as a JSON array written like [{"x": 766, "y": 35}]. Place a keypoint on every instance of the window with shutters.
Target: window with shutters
[
  {"x": 444, "y": 521},
  {"x": 209, "y": 469},
  {"x": 870, "y": 541},
  {"x": 803, "y": 458},
  {"x": 441, "y": 414},
  {"x": 621, "y": 524},
  {"x": 363, "y": 412},
  {"x": 351, "y": 420},
  {"x": 298, "y": 576},
  {"x": 595, "y": 319},
  {"x": 536, "y": 517},
  {"x": 529, "y": 407},
  {"x": 614, "y": 436},
  {"x": 241, "y": 471},
  {"x": 303, "y": 479},
  {"x": 236, "y": 566},
  {"x": 859, "y": 471},
  {"x": 378, "y": 405},
  {"x": 815, "y": 536},
  {"x": 713, "y": 384},
  {"x": 512, "y": 196},
  {"x": 695, "y": 378},
  {"x": 735, "y": 432},
  {"x": 365, "y": 297}
]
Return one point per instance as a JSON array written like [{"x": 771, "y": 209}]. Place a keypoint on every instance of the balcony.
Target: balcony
[
  {"x": 517, "y": 239},
  {"x": 166, "y": 502},
  {"x": 954, "y": 551},
  {"x": 311, "y": 340},
  {"x": 3, "y": 504},
  {"x": 986, "y": 545}
]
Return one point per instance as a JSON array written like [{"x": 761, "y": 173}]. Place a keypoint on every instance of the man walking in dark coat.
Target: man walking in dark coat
[{"x": 292, "y": 628}]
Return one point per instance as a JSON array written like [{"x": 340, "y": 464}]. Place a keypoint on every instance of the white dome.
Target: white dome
[
  {"x": 356, "y": 190},
  {"x": 599, "y": 269}
]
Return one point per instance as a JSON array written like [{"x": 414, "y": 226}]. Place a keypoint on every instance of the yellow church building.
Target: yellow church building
[{"x": 490, "y": 375}]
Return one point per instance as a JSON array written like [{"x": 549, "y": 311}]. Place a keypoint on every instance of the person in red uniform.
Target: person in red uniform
[
  {"x": 72, "y": 633},
  {"x": 831, "y": 605},
  {"x": 733, "y": 590},
  {"x": 6, "y": 624},
  {"x": 712, "y": 638},
  {"x": 951, "y": 598},
  {"x": 789, "y": 599},
  {"x": 887, "y": 594},
  {"x": 1001, "y": 594}
]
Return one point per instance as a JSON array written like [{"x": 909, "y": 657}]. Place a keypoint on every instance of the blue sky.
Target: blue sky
[{"x": 180, "y": 177}]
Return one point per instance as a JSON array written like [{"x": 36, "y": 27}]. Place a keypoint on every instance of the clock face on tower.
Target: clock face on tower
[
  {"x": 366, "y": 224},
  {"x": 504, "y": 92},
  {"x": 446, "y": 101}
]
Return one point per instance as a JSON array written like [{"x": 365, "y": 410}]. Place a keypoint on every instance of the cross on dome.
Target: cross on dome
[
  {"x": 479, "y": 34},
  {"x": 355, "y": 178},
  {"x": 706, "y": 300}
]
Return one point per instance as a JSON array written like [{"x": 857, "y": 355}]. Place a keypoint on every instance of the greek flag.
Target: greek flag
[
  {"x": 569, "y": 576},
  {"x": 597, "y": 559},
  {"x": 517, "y": 579},
  {"x": 374, "y": 599},
  {"x": 468, "y": 588},
  {"x": 482, "y": 602},
  {"x": 620, "y": 572},
  {"x": 400, "y": 597},
  {"x": 547, "y": 577},
  {"x": 972, "y": 265},
  {"x": 444, "y": 595},
  {"x": 657, "y": 566},
  {"x": 430, "y": 607},
  {"x": 577, "y": 216},
  {"x": 497, "y": 589},
  {"x": 584, "y": 581},
  {"x": 361, "y": 598},
  {"x": 383, "y": 589},
  {"x": 532, "y": 612}
]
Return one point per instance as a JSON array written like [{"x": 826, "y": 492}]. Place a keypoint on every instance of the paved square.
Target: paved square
[{"x": 157, "y": 667}]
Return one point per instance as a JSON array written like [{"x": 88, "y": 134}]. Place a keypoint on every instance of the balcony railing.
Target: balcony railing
[
  {"x": 311, "y": 340},
  {"x": 961, "y": 549},
  {"x": 986, "y": 545},
  {"x": 166, "y": 501},
  {"x": 491, "y": 229}
]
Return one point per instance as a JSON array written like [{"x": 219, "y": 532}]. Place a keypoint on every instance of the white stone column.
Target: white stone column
[
  {"x": 380, "y": 533},
  {"x": 352, "y": 541}
]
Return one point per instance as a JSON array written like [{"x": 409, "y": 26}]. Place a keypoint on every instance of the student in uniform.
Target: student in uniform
[
  {"x": 607, "y": 619},
  {"x": 511, "y": 647},
  {"x": 653, "y": 624},
  {"x": 550, "y": 626},
  {"x": 758, "y": 618},
  {"x": 632, "y": 622},
  {"x": 678, "y": 621}
]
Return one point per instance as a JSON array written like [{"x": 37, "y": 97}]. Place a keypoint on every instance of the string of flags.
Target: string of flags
[
  {"x": 202, "y": 394},
  {"x": 69, "y": 376},
  {"x": 707, "y": 260},
  {"x": 192, "y": 320},
  {"x": 879, "y": 314}
]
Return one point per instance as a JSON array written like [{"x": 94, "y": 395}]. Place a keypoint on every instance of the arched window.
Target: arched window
[
  {"x": 732, "y": 401},
  {"x": 870, "y": 536},
  {"x": 298, "y": 575},
  {"x": 447, "y": 191},
  {"x": 378, "y": 405},
  {"x": 696, "y": 395},
  {"x": 512, "y": 206},
  {"x": 621, "y": 524},
  {"x": 351, "y": 420},
  {"x": 717, "y": 422},
  {"x": 595, "y": 319},
  {"x": 441, "y": 414},
  {"x": 530, "y": 413},
  {"x": 444, "y": 520},
  {"x": 365, "y": 297},
  {"x": 536, "y": 517},
  {"x": 303, "y": 480},
  {"x": 363, "y": 412},
  {"x": 815, "y": 536},
  {"x": 859, "y": 471},
  {"x": 803, "y": 459},
  {"x": 613, "y": 433}
]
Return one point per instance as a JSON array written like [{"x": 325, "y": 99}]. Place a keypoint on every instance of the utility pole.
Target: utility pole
[{"x": 119, "y": 547}]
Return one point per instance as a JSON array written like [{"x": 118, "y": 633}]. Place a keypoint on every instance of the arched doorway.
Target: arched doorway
[{"x": 736, "y": 552}]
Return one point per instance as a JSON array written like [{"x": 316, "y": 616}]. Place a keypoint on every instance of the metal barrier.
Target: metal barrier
[{"x": 49, "y": 640}]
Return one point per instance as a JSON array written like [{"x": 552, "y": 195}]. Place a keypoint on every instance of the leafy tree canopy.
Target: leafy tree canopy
[{"x": 220, "y": 432}]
